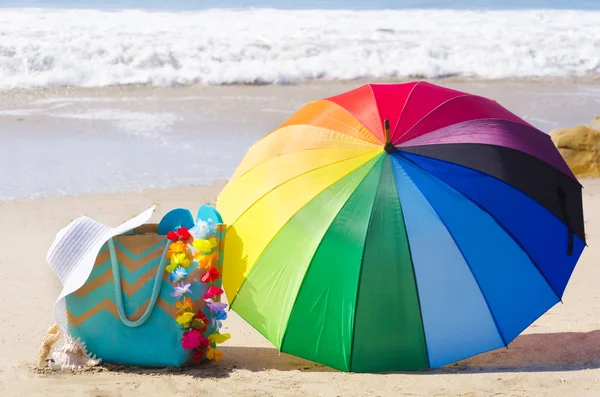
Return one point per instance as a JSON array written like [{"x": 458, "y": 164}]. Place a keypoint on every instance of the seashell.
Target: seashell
[{"x": 73, "y": 355}]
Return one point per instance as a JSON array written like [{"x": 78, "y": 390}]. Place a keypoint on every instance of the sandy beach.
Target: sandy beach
[
  {"x": 559, "y": 355},
  {"x": 109, "y": 107}
]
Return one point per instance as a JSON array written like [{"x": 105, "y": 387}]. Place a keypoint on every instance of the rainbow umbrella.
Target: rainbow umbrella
[{"x": 399, "y": 227}]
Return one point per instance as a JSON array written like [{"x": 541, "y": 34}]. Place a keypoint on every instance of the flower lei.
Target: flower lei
[{"x": 184, "y": 250}]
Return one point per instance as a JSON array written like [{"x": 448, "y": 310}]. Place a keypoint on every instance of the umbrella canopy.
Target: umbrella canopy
[{"x": 399, "y": 227}]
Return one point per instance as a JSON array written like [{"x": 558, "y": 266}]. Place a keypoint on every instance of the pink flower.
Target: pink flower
[
  {"x": 192, "y": 339},
  {"x": 213, "y": 291}
]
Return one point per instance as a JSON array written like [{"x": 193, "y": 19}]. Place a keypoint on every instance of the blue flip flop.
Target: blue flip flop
[
  {"x": 179, "y": 217},
  {"x": 209, "y": 214}
]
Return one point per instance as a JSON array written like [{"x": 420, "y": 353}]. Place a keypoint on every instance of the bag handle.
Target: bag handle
[{"x": 119, "y": 292}]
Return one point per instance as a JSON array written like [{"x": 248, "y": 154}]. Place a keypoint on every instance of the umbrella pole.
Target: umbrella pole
[{"x": 389, "y": 148}]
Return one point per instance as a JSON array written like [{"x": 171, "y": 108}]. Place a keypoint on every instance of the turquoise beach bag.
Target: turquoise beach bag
[{"x": 126, "y": 311}]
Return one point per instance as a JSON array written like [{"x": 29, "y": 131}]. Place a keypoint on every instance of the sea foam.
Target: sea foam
[{"x": 50, "y": 47}]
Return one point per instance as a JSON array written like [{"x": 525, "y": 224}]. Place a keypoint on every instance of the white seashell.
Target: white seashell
[{"x": 73, "y": 355}]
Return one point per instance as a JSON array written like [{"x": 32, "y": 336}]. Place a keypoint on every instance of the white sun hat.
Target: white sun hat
[{"x": 73, "y": 253}]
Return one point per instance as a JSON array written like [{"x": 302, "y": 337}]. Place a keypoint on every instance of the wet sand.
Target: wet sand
[{"x": 67, "y": 141}]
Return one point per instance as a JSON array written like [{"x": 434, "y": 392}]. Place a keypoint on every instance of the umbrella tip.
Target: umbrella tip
[
  {"x": 386, "y": 126},
  {"x": 389, "y": 148}
]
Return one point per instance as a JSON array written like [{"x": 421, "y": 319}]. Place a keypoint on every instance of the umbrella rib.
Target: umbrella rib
[
  {"x": 397, "y": 140},
  {"x": 311, "y": 259},
  {"x": 523, "y": 122},
  {"x": 410, "y": 142},
  {"x": 534, "y": 130},
  {"x": 297, "y": 176},
  {"x": 362, "y": 260},
  {"x": 290, "y": 218},
  {"x": 342, "y": 109},
  {"x": 404, "y": 107},
  {"x": 232, "y": 181},
  {"x": 464, "y": 258},
  {"x": 376, "y": 107},
  {"x": 500, "y": 224},
  {"x": 315, "y": 253},
  {"x": 353, "y": 116},
  {"x": 367, "y": 145},
  {"x": 361, "y": 124},
  {"x": 402, "y": 149},
  {"x": 412, "y": 264},
  {"x": 358, "y": 137}
]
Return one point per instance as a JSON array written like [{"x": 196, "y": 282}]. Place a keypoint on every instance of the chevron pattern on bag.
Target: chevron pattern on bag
[
  {"x": 108, "y": 305},
  {"x": 126, "y": 287},
  {"x": 129, "y": 260},
  {"x": 138, "y": 269}
]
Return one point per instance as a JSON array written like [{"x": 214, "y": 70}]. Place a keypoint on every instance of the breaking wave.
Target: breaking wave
[{"x": 75, "y": 47}]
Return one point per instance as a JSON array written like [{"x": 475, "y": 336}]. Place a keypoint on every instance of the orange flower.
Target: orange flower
[
  {"x": 176, "y": 248},
  {"x": 184, "y": 307},
  {"x": 206, "y": 261}
]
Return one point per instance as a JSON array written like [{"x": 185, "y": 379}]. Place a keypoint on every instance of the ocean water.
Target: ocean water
[
  {"x": 71, "y": 121},
  {"x": 120, "y": 42}
]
